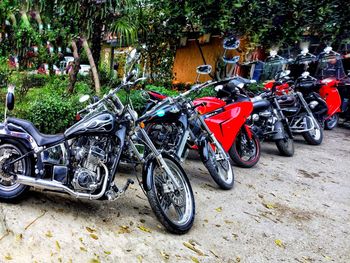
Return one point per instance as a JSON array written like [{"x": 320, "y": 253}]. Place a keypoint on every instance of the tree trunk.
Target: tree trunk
[
  {"x": 39, "y": 21},
  {"x": 97, "y": 40},
  {"x": 73, "y": 74},
  {"x": 93, "y": 66}
]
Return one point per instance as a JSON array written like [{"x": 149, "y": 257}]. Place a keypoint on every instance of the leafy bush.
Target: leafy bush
[{"x": 52, "y": 113}]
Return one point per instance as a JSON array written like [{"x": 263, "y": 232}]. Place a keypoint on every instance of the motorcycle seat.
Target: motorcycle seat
[
  {"x": 41, "y": 139},
  {"x": 261, "y": 104}
]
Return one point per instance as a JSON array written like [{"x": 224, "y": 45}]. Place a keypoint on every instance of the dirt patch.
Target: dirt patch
[
  {"x": 274, "y": 213},
  {"x": 307, "y": 174}
]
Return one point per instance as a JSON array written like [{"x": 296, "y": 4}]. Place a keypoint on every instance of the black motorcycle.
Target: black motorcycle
[
  {"x": 269, "y": 122},
  {"x": 175, "y": 126},
  {"x": 83, "y": 161},
  {"x": 303, "y": 108}
]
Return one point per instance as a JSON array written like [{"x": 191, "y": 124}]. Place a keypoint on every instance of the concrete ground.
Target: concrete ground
[{"x": 283, "y": 210}]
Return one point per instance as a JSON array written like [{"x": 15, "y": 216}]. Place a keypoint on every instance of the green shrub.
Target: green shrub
[{"x": 52, "y": 114}]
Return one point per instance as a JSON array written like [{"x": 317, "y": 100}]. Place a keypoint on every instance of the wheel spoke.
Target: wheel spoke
[
  {"x": 179, "y": 211},
  {"x": 165, "y": 204}
]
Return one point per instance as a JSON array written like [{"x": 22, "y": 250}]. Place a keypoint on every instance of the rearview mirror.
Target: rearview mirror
[
  {"x": 10, "y": 97},
  {"x": 232, "y": 60},
  {"x": 204, "y": 69},
  {"x": 231, "y": 43},
  {"x": 84, "y": 98}
]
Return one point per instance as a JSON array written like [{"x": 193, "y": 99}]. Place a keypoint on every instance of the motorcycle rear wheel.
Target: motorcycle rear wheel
[
  {"x": 174, "y": 209},
  {"x": 11, "y": 191},
  {"x": 236, "y": 151}
]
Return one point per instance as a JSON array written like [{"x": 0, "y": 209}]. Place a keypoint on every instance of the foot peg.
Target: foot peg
[{"x": 113, "y": 193}]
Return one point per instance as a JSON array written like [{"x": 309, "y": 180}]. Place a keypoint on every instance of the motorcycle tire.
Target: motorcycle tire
[
  {"x": 332, "y": 122},
  {"x": 9, "y": 191},
  {"x": 314, "y": 137},
  {"x": 217, "y": 173},
  {"x": 157, "y": 197},
  {"x": 235, "y": 152},
  {"x": 285, "y": 146}
]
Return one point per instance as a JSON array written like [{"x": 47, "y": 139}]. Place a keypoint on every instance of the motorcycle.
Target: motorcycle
[
  {"x": 303, "y": 108},
  {"x": 226, "y": 116},
  {"x": 269, "y": 122},
  {"x": 82, "y": 162},
  {"x": 175, "y": 125},
  {"x": 330, "y": 71},
  {"x": 231, "y": 108}
]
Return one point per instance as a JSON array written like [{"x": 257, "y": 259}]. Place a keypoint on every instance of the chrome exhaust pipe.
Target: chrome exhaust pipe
[{"x": 58, "y": 187}]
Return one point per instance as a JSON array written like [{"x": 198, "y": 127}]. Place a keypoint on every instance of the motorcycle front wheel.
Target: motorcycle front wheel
[
  {"x": 174, "y": 207},
  {"x": 245, "y": 152},
  {"x": 315, "y": 136},
  {"x": 219, "y": 167},
  {"x": 286, "y": 146}
]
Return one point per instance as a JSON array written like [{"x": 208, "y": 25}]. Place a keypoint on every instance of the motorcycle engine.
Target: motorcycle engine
[
  {"x": 165, "y": 136},
  {"x": 89, "y": 152}
]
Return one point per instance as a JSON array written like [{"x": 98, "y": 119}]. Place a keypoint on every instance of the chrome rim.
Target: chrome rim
[
  {"x": 176, "y": 204},
  {"x": 8, "y": 153},
  {"x": 316, "y": 133}
]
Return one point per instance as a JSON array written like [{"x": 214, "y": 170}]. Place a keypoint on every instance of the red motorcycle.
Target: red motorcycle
[{"x": 226, "y": 118}]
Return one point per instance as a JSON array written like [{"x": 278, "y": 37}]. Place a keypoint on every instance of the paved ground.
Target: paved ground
[{"x": 284, "y": 210}]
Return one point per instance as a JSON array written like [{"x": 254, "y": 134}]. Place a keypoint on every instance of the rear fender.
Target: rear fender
[{"x": 7, "y": 132}]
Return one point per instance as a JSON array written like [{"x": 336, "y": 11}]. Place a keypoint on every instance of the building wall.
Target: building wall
[{"x": 188, "y": 58}]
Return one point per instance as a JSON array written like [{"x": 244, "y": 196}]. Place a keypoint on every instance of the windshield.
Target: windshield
[
  {"x": 272, "y": 66},
  {"x": 330, "y": 65}
]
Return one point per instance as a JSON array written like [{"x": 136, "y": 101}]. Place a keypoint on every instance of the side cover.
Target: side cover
[{"x": 227, "y": 124}]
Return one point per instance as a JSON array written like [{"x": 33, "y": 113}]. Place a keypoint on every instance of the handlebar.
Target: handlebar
[{"x": 113, "y": 92}]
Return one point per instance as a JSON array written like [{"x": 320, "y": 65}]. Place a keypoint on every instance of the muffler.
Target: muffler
[{"x": 58, "y": 187}]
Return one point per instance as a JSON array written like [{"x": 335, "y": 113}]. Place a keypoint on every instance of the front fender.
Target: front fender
[{"x": 148, "y": 168}]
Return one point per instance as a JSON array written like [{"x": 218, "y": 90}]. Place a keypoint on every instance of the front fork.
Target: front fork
[
  {"x": 211, "y": 136},
  {"x": 283, "y": 118},
  {"x": 159, "y": 158},
  {"x": 307, "y": 108}
]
